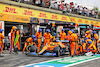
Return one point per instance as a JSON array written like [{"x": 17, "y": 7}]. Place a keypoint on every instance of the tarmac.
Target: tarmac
[{"x": 12, "y": 60}]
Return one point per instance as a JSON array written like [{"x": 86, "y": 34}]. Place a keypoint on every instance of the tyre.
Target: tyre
[
  {"x": 57, "y": 51},
  {"x": 33, "y": 49}
]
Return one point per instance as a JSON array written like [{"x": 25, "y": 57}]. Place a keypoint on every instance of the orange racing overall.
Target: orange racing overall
[
  {"x": 1, "y": 42},
  {"x": 47, "y": 37},
  {"x": 28, "y": 40},
  {"x": 38, "y": 35}
]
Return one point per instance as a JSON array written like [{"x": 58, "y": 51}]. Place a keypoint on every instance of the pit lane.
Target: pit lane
[{"x": 11, "y": 60}]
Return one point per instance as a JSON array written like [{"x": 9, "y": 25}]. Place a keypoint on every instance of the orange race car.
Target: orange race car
[{"x": 54, "y": 49}]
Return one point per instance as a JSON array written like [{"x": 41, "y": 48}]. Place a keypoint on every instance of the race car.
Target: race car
[{"x": 54, "y": 49}]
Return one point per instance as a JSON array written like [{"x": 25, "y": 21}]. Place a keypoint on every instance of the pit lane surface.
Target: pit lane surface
[{"x": 11, "y": 60}]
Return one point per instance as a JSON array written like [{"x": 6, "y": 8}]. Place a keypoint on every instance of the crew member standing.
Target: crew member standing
[
  {"x": 96, "y": 38},
  {"x": 73, "y": 39},
  {"x": 62, "y": 35},
  {"x": 1, "y": 41},
  {"x": 68, "y": 38},
  {"x": 13, "y": 32},
  {"x": 38, "y": 36},
  {"x": 47, "y": 36},
  {"x": 16, "y": 41},
  {"x": 77, "y": 46}
]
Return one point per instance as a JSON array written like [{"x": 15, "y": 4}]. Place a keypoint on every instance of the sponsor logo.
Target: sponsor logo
[
  {"x": 64, "y": 18},
  {"x": 54, "y": 17},
  {"x": 23, "y": 19},
  {"x": 54, "y": 54},
  {"x": 43, "y": 15},
  {"x": 10, "y": 10},
  {"x": 26, "y": 12}
]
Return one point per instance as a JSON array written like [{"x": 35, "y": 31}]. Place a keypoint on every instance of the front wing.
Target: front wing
[{"x": 36, "y": 54}]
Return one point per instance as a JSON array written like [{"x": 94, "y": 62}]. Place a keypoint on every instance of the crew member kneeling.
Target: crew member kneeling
[{"x": 29, "y": 41}]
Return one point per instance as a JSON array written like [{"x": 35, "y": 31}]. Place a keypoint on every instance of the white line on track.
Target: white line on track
[{"x": 81, "y": 62}]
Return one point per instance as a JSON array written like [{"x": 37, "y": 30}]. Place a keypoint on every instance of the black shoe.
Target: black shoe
[
  {"x": 2, "y": 53},
  {"x": 11, "y": 53},
  {"x": 15, "y": 52},
  {"x": 1, "y": 56},
  {"x": 72, "y": 56},
  {"x": 23, "y": 52},
  {"x": 98, "y": 52},
  {"x": 93, "y": 53}
]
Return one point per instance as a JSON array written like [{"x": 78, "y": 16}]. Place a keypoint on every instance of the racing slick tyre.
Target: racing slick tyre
[
  {"x": 33, "y": 49},
  {"x": 57, "y": 51}
]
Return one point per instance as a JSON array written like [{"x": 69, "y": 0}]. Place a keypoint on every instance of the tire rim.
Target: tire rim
[{"x": 28, "y": 47}]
